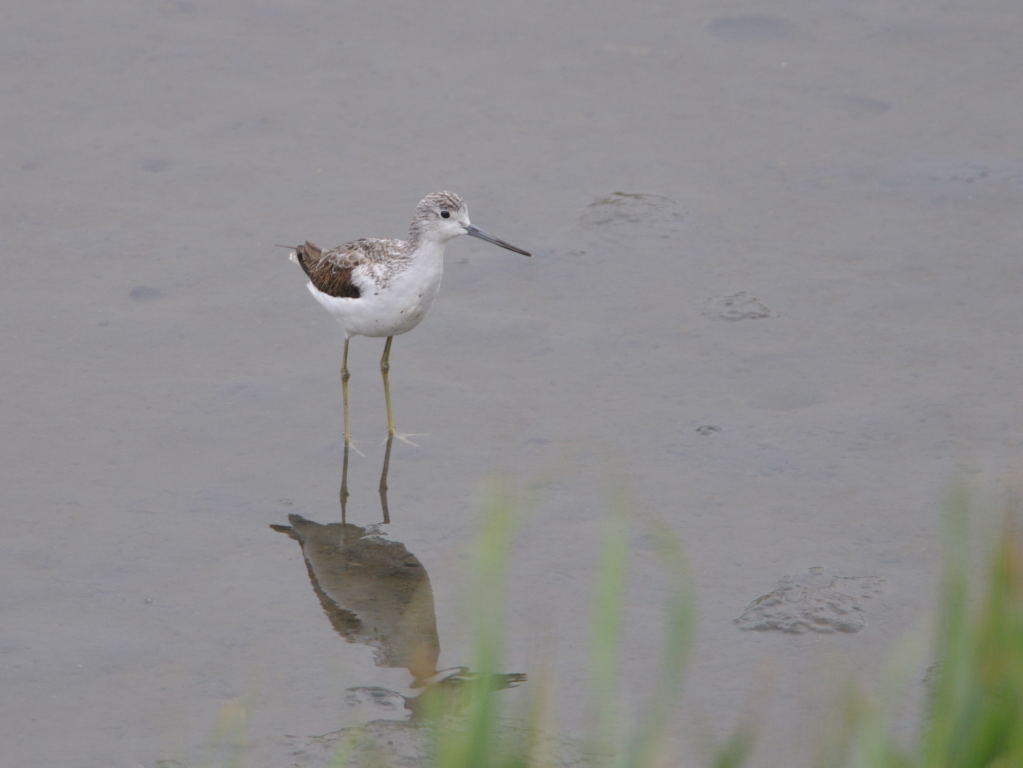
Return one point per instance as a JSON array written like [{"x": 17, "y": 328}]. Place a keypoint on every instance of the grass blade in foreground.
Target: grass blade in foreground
[
  {"x": 974, "y": 712},
  {"x": 472, "y": 743},
  {"x": 976, "y": 708}
]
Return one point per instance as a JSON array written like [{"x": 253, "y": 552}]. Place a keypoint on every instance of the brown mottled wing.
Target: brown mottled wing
[{"x": 331, "y": 271}]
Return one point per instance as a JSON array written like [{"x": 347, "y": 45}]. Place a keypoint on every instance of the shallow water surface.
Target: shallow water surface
[{"x": 773, "y": 302}]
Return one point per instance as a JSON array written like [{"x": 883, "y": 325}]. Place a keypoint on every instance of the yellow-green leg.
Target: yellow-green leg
[
  {"x": 343, "y": 493},
  {"x": 383, "y": 480},
  {"x": 385, "y": 366},
  {"x": 345, "y": 375}
]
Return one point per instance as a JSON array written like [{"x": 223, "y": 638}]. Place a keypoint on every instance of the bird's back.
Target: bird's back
[
  {"x": 342, "y": 271},
  {"x": 329, "y": 271}
]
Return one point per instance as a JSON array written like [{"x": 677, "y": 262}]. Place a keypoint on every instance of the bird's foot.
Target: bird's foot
[{"x": 405, "y": 437}]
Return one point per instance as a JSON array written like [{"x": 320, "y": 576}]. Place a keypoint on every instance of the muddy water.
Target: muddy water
[{"x": 774, "y": 299}]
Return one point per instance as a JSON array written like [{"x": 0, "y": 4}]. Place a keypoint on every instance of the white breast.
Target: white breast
[{"x": 395, "y": 307}]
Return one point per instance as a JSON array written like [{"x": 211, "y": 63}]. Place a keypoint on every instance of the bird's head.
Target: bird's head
[{"x": 442, "y": 216}]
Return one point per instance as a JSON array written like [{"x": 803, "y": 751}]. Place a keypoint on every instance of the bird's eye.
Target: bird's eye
[{"x": 445, "y": 215}]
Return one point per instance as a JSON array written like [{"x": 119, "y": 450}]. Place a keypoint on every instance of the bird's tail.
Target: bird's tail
[{"x": 304, "y": 255}]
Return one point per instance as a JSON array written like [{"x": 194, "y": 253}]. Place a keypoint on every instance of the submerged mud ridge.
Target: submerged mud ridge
[
  {"x": 736, "y": 306},
  {"x": 812, "y": 602},
  {"x": 630, "y": 208},
  {"x": 391, "y": 744}
]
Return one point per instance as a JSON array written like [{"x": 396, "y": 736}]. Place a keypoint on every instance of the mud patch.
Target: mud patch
[
  {"x": 812, "y": 602},
  {"x": 146, "y": 293},
  {"x": 736, "y": 306},
  {"x": 630, "y": 208},
  {"x": 750, "y": 28},
  {"x": 407, "y": 745}
]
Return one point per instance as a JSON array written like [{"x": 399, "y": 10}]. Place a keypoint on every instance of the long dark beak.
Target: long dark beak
[{"x": 477, "y": 232}]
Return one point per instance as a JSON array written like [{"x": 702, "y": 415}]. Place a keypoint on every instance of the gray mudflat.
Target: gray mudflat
[{"x": 775, "y": 297}]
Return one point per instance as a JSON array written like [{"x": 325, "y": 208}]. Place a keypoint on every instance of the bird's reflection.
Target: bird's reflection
[
  {"x": 373, "y": 590},
  {"x": 382, "y": 488},
  {"x": 377, "y": 593}
]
